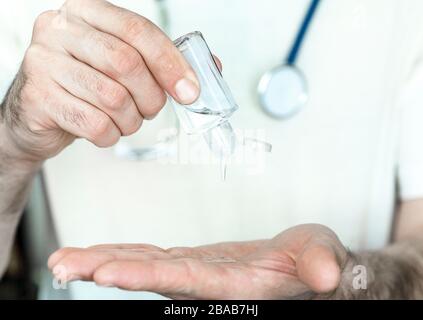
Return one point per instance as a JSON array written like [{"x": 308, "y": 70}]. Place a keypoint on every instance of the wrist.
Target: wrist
[{"x": 11, "y": 155}]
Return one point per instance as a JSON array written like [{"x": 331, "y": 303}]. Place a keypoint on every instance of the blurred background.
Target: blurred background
[{"x": 334, "y": 163}]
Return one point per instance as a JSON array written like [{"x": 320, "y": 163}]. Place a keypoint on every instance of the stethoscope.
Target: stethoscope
[{"x": 282, "y": 91}]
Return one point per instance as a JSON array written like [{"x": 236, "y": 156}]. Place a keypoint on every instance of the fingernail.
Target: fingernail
[{"x": 187, "y": 91}]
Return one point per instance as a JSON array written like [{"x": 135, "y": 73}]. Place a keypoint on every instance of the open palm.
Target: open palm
[{"x": 297, "y": 263}]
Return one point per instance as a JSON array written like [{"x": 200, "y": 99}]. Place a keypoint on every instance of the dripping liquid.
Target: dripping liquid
[{"x": 223, "y": 168}]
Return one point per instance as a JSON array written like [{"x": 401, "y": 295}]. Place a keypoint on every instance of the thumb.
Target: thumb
[{"x": 318, "y": 267}]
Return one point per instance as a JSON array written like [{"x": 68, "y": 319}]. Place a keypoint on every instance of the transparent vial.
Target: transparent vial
[{"x": 210, "y": 114}]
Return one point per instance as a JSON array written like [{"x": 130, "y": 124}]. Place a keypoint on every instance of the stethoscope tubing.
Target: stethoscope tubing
[{"x": 302, "y": 32}]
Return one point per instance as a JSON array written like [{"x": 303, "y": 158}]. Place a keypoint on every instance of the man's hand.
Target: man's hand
[
  {"x": 94, "y": 71},
  {"x": 298, "y": 263}
]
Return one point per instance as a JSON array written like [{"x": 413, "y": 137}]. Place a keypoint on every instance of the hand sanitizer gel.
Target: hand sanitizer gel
[{"x": 210, "y": 114}]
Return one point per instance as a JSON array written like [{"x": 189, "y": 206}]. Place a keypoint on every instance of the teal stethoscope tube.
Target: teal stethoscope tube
[
  {"x": 299, "y": 39},
  {"x": 283, "y": 90}
]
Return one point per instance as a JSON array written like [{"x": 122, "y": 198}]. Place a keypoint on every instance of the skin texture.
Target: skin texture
[
  {"x": 299, "y": 262},
  {"x": 92, "y": 71},
  {"x": 96, "y": 71},
  {"x": 304, "y": 262},
  {"x": 15, "y": 183}
]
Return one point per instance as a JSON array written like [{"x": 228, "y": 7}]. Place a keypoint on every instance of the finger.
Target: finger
[
  {"x": 163, "y": 59},
  {"x": 79, "y": 118},
  {"x": 81, "y": 264},
  {"x": 218, "y": 63},
  {"x": 119, "y": 61},
  {"x": 318, "y": 267},
  {"x": 124, "y": 246},
  {"x": 232, "y": 250},
  {"x": 58, "y": 255},
  {"x": 61, "y": 253},
  {"x": 175, "y": 277},
  {"x": 98, "y": 90}
]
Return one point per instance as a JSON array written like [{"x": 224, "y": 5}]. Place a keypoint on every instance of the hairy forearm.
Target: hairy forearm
[
  {"x": 395, "y": 272},
  {"x": 15, "y": 179},
  {"x": 14, "y": 188}
]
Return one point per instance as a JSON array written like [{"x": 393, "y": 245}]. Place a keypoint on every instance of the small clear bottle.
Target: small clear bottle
[{"x": 210, "y": 114}]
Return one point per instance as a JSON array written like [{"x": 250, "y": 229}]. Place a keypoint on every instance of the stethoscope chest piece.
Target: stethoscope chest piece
[{"x": 283, "y": 91}]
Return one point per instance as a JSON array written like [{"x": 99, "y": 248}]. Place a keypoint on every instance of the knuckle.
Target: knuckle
[
  {"x": 110, "y": 142},
  {"x": 166, "y": 62},
  {"x": 44, "y": 20},
  {"x": 126, "y": 60},
  {"x": 134, "y": 126},
  {"x": 155, "y": 106},
  {"x": 35, "y": 60},
  {"x": 101, "y": 125},
  {"x": 70, "y": 258},
  {"x": 32, "y": 57},
  {"x": 169, "y": 61},
  {"x": 136, "y": 25},
  {"x": 115, "y": 96}
]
